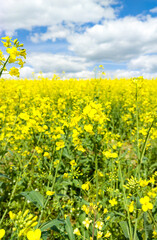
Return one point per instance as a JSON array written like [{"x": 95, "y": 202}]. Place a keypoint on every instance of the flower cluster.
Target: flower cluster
[
  {"x": 79, "y": 154},
  {"x": 15, "y": 51},
  {"x": 23, "y": 222}
]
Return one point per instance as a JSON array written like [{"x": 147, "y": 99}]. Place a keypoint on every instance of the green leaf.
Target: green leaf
[
  {"x": 82, "y": 217},
  {"x": 153, "y": 166},
  {"x": 4, "y": 176},
  {"x": 35, "y": 197},
  {"x": 51, "y": 223},
  {"x": 45, "y": 235},
  {"x": 148, "y": 229},
  {"x": 69, "y": 229},
  {"x": 119, "y": 214},
  {"x": 82, "y": 200},
  {"x": 1, "y": 183},
  {"x": 66, "y": 154},
  {"x": 76, "y": 183},
  {"x": 125, "y": 229},
  {"x": 145, "y": 142}
]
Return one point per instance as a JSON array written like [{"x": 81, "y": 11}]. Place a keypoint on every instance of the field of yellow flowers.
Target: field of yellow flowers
[{"x": 78, "y": 159}]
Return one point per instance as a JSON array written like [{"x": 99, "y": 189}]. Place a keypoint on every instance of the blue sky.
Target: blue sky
[
  {"x": 135, "y": 7},
  {"x": 75, "y": 36}
]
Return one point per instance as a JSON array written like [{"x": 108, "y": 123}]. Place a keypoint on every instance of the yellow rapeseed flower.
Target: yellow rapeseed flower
[
  {"x": 143, "y": 183},
  {"x": 56, "y": 163},
  {"x": 146, "y": 205},
  {"x": 154, "y": 234},
  {"x": 47, "y": 154},
  {"x": 65, "y": 175},
  {"x": 87, "y": 222},
  {"x": 77, "y": 232},
  {"x": 113, "y": 202},
  {"x": 73, "y": 163},
  {"x": 105, "y": 210},
  {"x": 108, "y": 218},
  {"x": 85, "y": 208},
  {"x": 89, "y": 128},
  {"x": 85, "y": 186},
  {"x": 99, "y": 225},
  {"x": 50, "y": 193},
  {"x": 14, "y": 72},
  {"x": 108, "y": 234},
  {"x": 60, "y": 145},
  {"x": 2, "y": 233},
  {"x": 13, "y": 52},
  {"x": 7, "y": 43},
  {"x": 152, "y": 180},
  {"x": 12, "y": 215},
  {"x": 99, "y": 234},
  {"x": 131, "y": 207},
  {"x": 34, "y": 235}
]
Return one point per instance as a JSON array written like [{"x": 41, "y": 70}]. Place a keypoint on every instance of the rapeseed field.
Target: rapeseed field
[{"x": 77, "y": 157}]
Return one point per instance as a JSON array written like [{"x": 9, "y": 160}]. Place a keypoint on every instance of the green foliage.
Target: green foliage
[{"x": 34, "y": 197}]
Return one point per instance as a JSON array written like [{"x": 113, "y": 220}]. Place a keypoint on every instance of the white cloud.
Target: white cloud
[
  {"x": 122, "y": 73},
  {"x": 116, "y": 40},
  {"x": 153, "y": 10},
  {"x": 25, "y": 14},
  {"x": 47, "y": 62},
  {"x": 53, "y": 32},
  {"x": 80, "y": 75},
  {"x": 26, "y": 72},
  {"x": 129, "y": 40},
  {"x": 146, "y": 63}
]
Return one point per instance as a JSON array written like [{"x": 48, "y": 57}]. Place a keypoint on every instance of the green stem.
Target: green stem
[
  {"x": 4, "y": 66},
  {"x": 137, "y": 124},
  {"x": 14, "y": 189},
  {"x": 145, "y": 143},
  {"x": 125, "y": 200},
  {"x": 5, "y": 148},
  {"x": 143, "y": 150},
  {"x": 155, "y": 223},
  {"x": 96, "y": 171},
  {"x": 135, "y": 229},
  {"x": 60, "y": 205},
  {"x": 12, "y": 195},
  {"x": 112, "y": 170},
  {"x": 54, "y": 180}
]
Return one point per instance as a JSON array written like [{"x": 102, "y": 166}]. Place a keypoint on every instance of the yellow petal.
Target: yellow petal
[
  {"x": 144, "y": 207},
  {"x": 146, "y": 199},
  {"x": 30, "y": 235},
  {"x": 150, "y": 205},
  {"x": 2, "y": 233},
  {"x": 38, "y": 233}
]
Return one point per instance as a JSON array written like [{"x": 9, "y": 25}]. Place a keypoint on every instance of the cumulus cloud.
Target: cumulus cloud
[
  {"x": 93, "y": 34},
  {"x": 26, "y": 72},
  {"x": 53, "y": 32},
  {"x": 17, "y": 14},
  {"x": 153, "y": 10},
  {"x": 47, "y": 62},
  {"x": 80, "y": 75},
  {"x": 75, "y": 75},
  {"x": 122, "y": 73},
  {"x": 116, "y": 40},
  {"x": 147, "y": 63}
]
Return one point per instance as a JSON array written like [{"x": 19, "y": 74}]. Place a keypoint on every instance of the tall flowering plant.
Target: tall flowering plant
[{"x": 15, "y": 55}]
